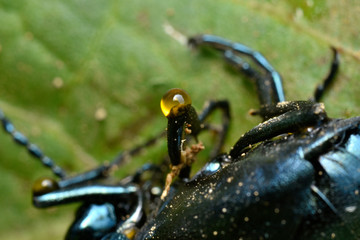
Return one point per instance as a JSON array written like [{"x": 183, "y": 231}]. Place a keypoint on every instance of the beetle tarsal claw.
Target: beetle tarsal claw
[{"x": 188, "y": 157}]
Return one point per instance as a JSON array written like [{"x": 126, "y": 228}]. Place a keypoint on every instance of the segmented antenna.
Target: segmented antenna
[{"x": 34, "y": 150}]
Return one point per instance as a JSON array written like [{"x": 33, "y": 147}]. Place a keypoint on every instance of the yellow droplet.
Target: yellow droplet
[
  {"x": 44, "y": 185},
  {"x": 174, "y": 98}
]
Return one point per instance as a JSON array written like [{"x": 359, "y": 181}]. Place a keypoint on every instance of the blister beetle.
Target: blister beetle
[{"x": 294, "y": 176}]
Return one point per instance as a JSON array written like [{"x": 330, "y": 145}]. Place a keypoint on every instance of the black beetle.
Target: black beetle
[{"x": 294, "y": 176}]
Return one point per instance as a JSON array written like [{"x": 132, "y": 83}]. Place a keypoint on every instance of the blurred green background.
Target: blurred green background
[{"x": 61, "y": 62}]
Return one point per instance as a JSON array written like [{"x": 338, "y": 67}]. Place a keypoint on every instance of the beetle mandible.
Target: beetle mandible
[{"x": 293, "y": 176}]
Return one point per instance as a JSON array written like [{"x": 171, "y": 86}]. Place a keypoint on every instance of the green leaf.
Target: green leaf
[{"x": 62, "y": 61}]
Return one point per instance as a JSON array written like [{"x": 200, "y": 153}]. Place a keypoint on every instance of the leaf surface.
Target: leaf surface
[{"x": 61, "y": 62}]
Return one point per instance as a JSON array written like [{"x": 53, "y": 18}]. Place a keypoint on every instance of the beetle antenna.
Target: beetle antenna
[{"x": 33, "y": 149}]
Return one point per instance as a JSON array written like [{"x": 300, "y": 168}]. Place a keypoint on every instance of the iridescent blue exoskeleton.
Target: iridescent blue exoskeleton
[{"x": 296, "y": 175}]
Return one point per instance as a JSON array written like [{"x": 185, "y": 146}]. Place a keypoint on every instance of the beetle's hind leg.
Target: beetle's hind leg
[
  {"x": 322, "y": 87},
  {"x": 263, "y": 83},
  {"x": 268, "y": 81}
]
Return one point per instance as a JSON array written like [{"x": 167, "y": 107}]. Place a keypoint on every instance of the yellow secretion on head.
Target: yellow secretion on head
[{"x": 174, "y": 98}]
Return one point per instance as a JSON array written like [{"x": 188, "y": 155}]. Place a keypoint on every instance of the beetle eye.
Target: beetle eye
[
  {"x": 174, "y": 98},
  {"x": 44, "y": 185}
]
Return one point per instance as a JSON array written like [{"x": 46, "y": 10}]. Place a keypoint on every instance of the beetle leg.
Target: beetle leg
[
  {"x": 104, "y": 170},
  {"x": 123, "y": 156},
  {"x": 129, "y": 228},
  {"x": 262, "y": 83},
  {"x": 87, "y": 193},
  {"x": 224, "y": 106},
  {"x": 291, "y": 117},
  {"x": 321, "y": 88},
  {"x": 269, "y": 87},
  {"x": 63, "y": 193},
  {"x": 136, "y": 178}
]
